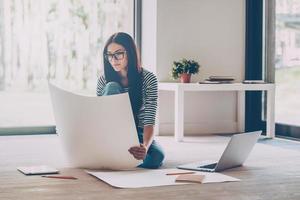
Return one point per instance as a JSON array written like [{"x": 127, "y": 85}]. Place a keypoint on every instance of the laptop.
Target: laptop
[{"x": 234, "y": 155}]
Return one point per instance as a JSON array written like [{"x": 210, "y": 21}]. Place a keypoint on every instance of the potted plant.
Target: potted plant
[{"x": 183, "y": 69}]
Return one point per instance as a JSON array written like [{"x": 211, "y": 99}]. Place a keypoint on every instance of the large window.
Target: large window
[
  {"x": 278, "y": 34},
  {"x": 52, "y": 40},
  {"x": 287, "y": 65}
]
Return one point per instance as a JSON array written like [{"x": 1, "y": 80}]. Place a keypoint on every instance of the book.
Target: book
[
  {"x": 214, "y": 82},
  {"x": 253, "y": 81},
  {"x": 37, "y": 170},
  {"x": 194, "y": 178},
  {"x": 221, "y": 78}
]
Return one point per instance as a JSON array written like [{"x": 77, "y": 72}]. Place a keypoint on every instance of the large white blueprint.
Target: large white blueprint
[
  {"x": 151, "y": 178},
  {"x": 96, "y": 131}
]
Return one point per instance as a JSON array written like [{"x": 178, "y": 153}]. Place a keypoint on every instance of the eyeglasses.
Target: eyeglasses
[{"x": 117, "y": 56}]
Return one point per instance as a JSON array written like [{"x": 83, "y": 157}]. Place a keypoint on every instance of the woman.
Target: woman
[{"x": 123, "y": 73}]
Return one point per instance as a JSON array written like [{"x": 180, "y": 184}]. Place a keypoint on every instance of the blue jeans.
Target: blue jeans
[{"x": 155, "y": 154}]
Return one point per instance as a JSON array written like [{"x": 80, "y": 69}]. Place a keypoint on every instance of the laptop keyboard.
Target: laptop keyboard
[{"x": 210, "y": 166}]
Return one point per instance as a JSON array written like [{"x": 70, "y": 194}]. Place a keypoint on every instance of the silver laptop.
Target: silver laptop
[{"x": 235, "y": 154}]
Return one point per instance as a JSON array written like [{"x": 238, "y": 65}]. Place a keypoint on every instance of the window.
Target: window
[
  {"x": 287, "y": 68},
  {"x": 54, "y": 40},
  {"x": 297, "y": 39},
  {"x": 280, "y": 62}
]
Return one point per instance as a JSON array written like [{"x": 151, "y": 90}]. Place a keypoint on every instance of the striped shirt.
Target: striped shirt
[{"x": 147, "y": 113}]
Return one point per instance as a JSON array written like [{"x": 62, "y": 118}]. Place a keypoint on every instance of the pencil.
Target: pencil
[
  {"x": 61, "y": 177},
  {"x": 179, "y": 173}
]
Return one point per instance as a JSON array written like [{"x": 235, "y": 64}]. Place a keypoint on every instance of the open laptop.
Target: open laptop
[{"x": 235, "y": 154}]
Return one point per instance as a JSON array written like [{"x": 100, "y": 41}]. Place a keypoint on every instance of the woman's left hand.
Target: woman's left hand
[{"x": 138, "y": 152}]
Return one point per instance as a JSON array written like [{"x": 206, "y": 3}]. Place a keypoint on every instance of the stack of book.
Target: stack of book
[{"x": 218, "y": 80}]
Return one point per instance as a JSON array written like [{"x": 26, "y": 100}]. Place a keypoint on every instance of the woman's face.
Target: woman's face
[{"x": 117, "y": 57}]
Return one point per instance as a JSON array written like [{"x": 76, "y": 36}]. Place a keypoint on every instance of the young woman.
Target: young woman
[{"x": 123, "y": 73}]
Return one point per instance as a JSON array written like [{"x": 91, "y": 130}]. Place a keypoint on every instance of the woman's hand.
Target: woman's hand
[{"x": 138, "y": 152}]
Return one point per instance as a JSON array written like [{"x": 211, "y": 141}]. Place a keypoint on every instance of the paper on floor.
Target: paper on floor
[{"x": 150, "y": 178}]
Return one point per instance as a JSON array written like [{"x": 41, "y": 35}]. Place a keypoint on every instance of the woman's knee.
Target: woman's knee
[
  {"x": 159, "y": 155},
  {"x": 157, "y": 158},
  {"x": 112, "y": 88}
]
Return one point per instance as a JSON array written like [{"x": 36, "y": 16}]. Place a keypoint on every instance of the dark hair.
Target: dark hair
[{"x": 134, "y": 73}]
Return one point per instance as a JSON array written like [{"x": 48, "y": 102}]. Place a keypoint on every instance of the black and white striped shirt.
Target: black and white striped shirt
[{"x": 147, "y": 112}]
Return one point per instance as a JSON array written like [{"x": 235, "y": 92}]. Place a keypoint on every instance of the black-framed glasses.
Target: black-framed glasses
[{"x": 117, "y": 56}]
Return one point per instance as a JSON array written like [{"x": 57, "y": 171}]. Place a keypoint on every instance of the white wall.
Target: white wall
[
  {"x": 149, "y": 32},
  {"x": 209, "y": 31}
]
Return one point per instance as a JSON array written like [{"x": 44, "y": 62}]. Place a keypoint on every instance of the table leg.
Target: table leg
[
  {"x": 241, "y": 111},
  {"x": 179, "y": 114},
  {"x": 270, "y": 121}
]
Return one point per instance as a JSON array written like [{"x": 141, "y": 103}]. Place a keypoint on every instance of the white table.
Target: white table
[{"x": 181, "y": 88}]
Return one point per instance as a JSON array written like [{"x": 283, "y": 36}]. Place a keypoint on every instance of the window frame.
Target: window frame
[
  {"x": 255, "y": 102},
  {"x": 254, "y": 63},
  {"x": 281, "y": 130}
]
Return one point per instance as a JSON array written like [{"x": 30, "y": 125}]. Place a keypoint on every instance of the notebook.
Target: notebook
[
  {"x": 37, "y": 170},
  {"x": 194, "y": 178}
]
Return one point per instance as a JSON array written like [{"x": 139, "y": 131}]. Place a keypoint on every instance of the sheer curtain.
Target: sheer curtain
[{"x": 52, "y": 40}]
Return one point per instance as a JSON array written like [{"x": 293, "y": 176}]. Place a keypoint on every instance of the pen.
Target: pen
[
  {"x": 61, "y": 177},
  {"x": 179, "y": 173}
]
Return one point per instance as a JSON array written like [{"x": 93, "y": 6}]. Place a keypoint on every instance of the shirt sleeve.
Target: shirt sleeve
[
  {"x": 100, "y": 85},
  {"x": 151, "y": 96}
]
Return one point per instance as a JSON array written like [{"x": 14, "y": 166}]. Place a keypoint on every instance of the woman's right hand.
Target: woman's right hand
[{"x": 138, "y": 152}]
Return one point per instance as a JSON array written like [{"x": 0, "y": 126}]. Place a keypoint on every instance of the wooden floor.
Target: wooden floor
[{"x": 270, "y": 173}]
